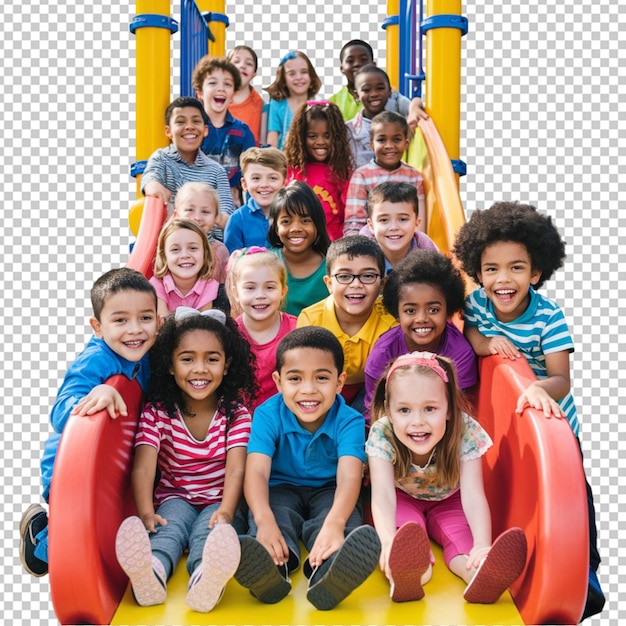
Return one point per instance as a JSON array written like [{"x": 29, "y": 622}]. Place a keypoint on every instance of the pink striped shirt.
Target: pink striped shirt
[
  {"x": 190, "y": 469},
  {"x": 364, "y": 179}
]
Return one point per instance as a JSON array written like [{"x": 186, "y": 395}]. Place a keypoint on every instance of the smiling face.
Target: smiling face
[
  {"x": 506, "y": 273},
  {"x": 389, "y": 142},
  {"x": 259, "y": 292},
  {"x": 296, "y": 232},
  {"x": 373, "y": 91},
  {"x": 128, "y": 323},
  {"x": 199, "y": 207},
  {"x": 184, "y": 255},
  {"x": 394, "y": 225},
  {"x": 262, "y": 183},
  {"x": 297, "y": 78},
  {"x": 244, "y": 62},
  {"x": 354, "y": 301},
  {"x": 317, "y": 142},
  {"x": 186, "y": 131},
  {"x": 198, "y": 365},
  {"x": 354, "y": 58},
  {"x": 422, "y": 315},
  {"x": 418, "y": 412},
  {"x": 309, "y": 382},
  {"x": 217, "y": 92}
]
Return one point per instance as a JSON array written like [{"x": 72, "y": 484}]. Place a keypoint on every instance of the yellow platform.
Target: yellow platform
[{"x": 369, "y": 604}]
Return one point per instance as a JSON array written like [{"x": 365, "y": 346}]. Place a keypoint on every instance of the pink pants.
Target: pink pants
[{"x": 443, "y": 521}]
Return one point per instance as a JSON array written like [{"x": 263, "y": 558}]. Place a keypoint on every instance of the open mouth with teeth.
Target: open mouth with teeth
[
  {"x": 420, "y": 437},
  {"x": 505, "y": 295},
  {"x": 422, "y": 331},
  {"x": 135, "y": 343},
  {"x": 308, "y": 406},
  {"x": 355, "y": 298},
  {"x": 199, "y": 383}
]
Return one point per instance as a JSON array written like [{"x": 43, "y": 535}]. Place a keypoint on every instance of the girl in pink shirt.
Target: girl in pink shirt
[
  {"x": 256, "y": 288},
  {"x": 318, "y": 153},
  {"x": 195, "y": 429}
]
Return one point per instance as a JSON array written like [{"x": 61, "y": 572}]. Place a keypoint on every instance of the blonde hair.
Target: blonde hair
[
  {"x": 241, "y": 259},
  {"x": 190, "y": 188},
  {"x": 447, "y": 461},
  {"x": 271, "y": 157},
  {"x": 172, "y": 225}
]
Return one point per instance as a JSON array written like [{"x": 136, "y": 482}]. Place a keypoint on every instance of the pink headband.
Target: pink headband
[
  {"x": 317, "y": 103},
  {"x": 428, "y": 359}
]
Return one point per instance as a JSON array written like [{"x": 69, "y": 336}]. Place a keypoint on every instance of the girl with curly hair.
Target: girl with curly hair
[
  {"x": 318, "y": 152},
  {"x": 195, "y": 428}
]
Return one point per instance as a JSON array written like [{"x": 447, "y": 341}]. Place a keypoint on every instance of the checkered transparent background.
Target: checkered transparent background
[{"x": 541, "y": 122}]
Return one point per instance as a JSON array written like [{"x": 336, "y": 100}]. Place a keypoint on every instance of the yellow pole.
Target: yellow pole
[
  {"x": 152, "y": 80},
  {"x": 392, "y": 31},
  {"x": 218, "y": 27},
  {"x": 443, "y": 76}
]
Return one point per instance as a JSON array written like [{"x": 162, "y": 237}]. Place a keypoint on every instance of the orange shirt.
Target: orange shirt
[{"x": 249, "y": 111}]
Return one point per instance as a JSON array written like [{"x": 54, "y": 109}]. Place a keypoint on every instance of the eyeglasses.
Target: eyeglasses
[{"x": 367, "y": 278}]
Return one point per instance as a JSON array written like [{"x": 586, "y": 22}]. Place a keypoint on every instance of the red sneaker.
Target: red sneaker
[{"x": 409, "y": 558}]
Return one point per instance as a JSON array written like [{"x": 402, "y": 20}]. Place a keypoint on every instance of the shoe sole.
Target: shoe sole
[
  {"x": 258, "y": 573},
  {"x": 220, "y": 559},
  {"x": 29, "y": 514},
  {"x": 409, "y": 559},
  {"x": 132, "y": 548},
  {"x": 353, "y": 563},
  {"x": 502, "y": 566}
]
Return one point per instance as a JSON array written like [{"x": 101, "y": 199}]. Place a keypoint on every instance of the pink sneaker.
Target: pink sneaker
[
  {"x": 220, "y": 560},
  {"x": 409, "y": 558},
  {"x": 146, "y": 572},
  {"x": 500, "y": 568}
]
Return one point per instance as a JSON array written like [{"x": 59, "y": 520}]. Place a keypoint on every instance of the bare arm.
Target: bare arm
[
  {"x": 486, "y": 346},
  {"x": 233, "y": 487},
  {"x": 256, "y": 490},
  {"x": 272, "y": 138},
  {"x": 102, "y": 397},
  {"x": 162, "y": 309},
  {"x": 144, "y": 472},
  {"x": 383, "y": 506},
  {"x": 476, "y": 509},
  {"x": 157, "y": 189},
  {"x": 331, "y": 535}
]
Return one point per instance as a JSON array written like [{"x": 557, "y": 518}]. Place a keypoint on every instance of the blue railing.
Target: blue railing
[{"x": 194, "y": 44}]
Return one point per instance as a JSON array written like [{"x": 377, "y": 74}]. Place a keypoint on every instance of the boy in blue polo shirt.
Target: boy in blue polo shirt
[
  {"x": 303, "y": 479},
  {"x": 125, "y": 325}
]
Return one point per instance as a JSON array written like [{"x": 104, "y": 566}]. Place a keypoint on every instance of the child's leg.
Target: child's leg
[{"x": 219, "y": 561}]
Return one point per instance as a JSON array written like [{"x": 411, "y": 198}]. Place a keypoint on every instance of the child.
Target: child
[
  {"x": 200, "y": 203},
  {"x": 511, "y": 250},
  {"x": 257, "y": 286},
  {"x": 168, "y": 169},
  {"x": 424, "y": 454},
  {"x": 389, "y": 135},
  {"x": 247, "y": 105},
  {"x": 125, "y": 325},
  {"x": 318, "y": 153},
  {"x": 183, "y": 267},
  {"x": 216, "y": 80},
  {"x": 303, "y": 478},
  {"x": 353, "y": 56},
  {"x": 373, "y": 90},
  {"x": 296, "y": 82},
  {"x": 299, "y": 237},
  {"x": 195, "y": 429},
  {"x": 394, "y": 221},
  {"x": 353, "y": 312},
  {"x": 264, "y": 171},
  {"x": 423, "y": 293}
]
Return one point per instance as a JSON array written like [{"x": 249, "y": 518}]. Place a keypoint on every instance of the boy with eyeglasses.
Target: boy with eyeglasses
[{"x": 353, "y": 312}]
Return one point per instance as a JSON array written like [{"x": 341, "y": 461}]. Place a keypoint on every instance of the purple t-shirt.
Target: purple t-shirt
[{"x": 392, "y": 344}]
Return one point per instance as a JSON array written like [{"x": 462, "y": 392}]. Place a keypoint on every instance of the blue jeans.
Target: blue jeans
[
  {"x": 300, "y": 513},
  {"x": 187, "y": 527}
]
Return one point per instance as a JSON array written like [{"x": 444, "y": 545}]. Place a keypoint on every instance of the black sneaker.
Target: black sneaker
[
  {"x": 340, "y": 575},
  {"x": 258, "y": 572},
  {"x": 33, "y": 521}
]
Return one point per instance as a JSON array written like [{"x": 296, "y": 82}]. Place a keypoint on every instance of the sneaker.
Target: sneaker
[
  {"x": 499, "y": 569},
  {"x": 351, "y": 565},
  {"x": 33, "y": 521},
  {"x": 595, "y": 597},
  {"x": 409, "y": 559},
  {"x": 258, "y": 572},
  {"x": 146, "y": 572},
  {"x": 220, "y": 559}
]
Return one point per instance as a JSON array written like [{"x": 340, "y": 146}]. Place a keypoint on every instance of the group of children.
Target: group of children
[{"x": 314, "y": 341}]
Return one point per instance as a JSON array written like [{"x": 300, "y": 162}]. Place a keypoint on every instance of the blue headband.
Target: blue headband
[{"x": 290, "y": 55}]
